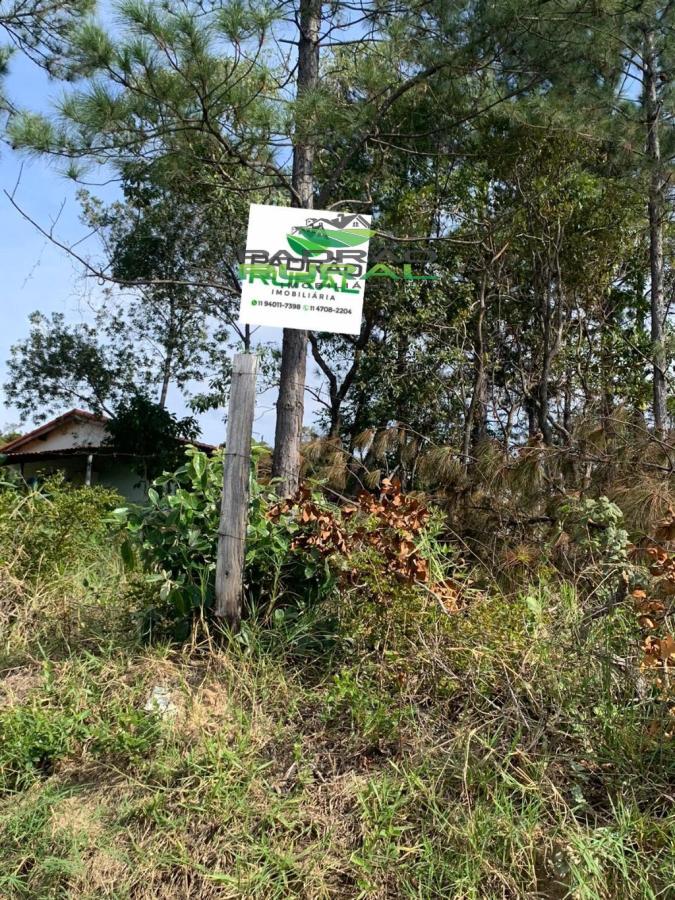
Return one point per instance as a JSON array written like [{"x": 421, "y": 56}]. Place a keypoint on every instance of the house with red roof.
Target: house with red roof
[{"x": 75, "y": 443}]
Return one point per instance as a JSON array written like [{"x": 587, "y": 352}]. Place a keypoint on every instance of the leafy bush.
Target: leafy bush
[
  {"x": 298, "y": 552},
  {"x": 593, "y": 545},
  {"x": 49, "y": 528},
  {"x": 596, "y": 528},
  {"x": 176, "y": 536}
]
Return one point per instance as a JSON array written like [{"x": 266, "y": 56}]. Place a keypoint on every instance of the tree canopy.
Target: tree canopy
[{"x": 522, "y": 159}]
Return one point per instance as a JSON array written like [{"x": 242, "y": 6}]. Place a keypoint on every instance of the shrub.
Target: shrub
[
  {"x": 593, "y": 545},
  {"x": 297, "y": 554},
  {"x": 176, "y": 536},
  {"x": 53, "y": 527},
  {"x": 596, "y": 528}
]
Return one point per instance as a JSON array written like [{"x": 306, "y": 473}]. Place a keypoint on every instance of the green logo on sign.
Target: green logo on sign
[{"x": 319, "y": 235}]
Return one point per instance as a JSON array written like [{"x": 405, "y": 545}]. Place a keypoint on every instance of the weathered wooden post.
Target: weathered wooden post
[{"x": 234, "y": 503}]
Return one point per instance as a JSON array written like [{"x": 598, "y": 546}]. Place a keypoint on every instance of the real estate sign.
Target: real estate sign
[{"x": 304, "y": 268}]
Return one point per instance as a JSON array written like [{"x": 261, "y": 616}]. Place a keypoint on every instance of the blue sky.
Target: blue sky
[{"x": 37, "y": 275}]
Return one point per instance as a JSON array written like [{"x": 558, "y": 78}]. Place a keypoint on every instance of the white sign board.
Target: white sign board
[{"x": 304, "y": 268}]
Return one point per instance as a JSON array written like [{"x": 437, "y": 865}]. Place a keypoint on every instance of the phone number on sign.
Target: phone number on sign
[{"x": 278, "y": 304}]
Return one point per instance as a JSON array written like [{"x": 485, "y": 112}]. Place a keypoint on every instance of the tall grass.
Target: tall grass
[{"x": 375, "y": 746}]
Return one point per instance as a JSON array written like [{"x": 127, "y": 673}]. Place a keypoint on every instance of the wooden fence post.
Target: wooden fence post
[{"x": 234, "y": 503}]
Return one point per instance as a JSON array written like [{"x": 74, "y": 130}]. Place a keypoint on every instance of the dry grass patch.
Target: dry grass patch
[
  {"x": 79, "y": 814},
  {"x": 16, "y": 685}
]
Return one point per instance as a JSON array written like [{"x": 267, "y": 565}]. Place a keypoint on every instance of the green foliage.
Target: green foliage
[
  {"x": 165, "y": 244},
  {"x": 176, "y": 536},
  {"x": 147, "y": 430},
  {"x": 355, "y": 701},
  {"x": 41, "y": 28},
  {"x": 496, "y": 748},
  {"x": 60, "y": 365},
  {"x": 280, "y": 572},
  {"x": 594, "y": 546},
  {"x": 36, "y": 735},
  {"x": 525, "y": 198},
  {"x": 9, "y": 433},
  {"x": 173, "y": 242},
  {"x": 596, "y": 528},
  {"x": 33, "y": 739},
  {"x": 48, "y": 528},
  {"x": 297, "y": 554}
]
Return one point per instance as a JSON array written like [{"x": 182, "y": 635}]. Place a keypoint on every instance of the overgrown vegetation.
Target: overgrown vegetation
[
  {"x": 454, "y": 672},
  {"x": 393, "y": 720}
]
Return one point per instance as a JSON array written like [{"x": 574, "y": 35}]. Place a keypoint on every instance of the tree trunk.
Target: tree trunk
[
  {"x": 338, "y": 392},
  {"x": 168, "y": 356},
  {"x": 655, "y": 208},
  {"x": 547, "y": 355},
  {"x": 290, "y": 404},
  {"x": 530, "y": 410},
  {"x": 475, "y": 425},
  {"x": 567, "y": 400}
]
